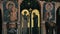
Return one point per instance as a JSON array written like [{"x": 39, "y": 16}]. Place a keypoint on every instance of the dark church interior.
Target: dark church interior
[{"x": 29, "y": 16}]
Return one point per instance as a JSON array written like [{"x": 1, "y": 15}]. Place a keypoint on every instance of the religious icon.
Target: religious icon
[
  {"x": 10, "y": 12},
  {"x": 35, "y": 21},
  {"x": 36, "y": 18},
  {"x": 13, "y": 12},
  {"x": 10, "y": 16},
  {"x": 49, "y": 11},
  {"x": 25, "y": 19},
  {"x": 49, "y": 16}
]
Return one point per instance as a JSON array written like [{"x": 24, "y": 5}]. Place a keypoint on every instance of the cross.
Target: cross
[{"x": 30, "y": 9}]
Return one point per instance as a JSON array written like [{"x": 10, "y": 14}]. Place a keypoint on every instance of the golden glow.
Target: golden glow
[
  {"x": 26, "y": 14},
  {"x": 37, "y": 13},
  {"x": 32, "y": 23},
  {"x": 24, "y": 11}
]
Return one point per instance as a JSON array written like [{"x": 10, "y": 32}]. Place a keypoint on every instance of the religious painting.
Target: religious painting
[
  {"x": 10, "y": 17},
  {"x": 35, "y": 21},
  {"x": 49, "y": 17},
  {"x": 10, "y": 13},
  {"x": 24, "y": 21},
  {"x": 49, "y": 11}
]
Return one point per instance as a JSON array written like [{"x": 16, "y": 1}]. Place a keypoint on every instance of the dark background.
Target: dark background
[
  {"x": 11, "y": 0},
  {"x": 0, "y": 22}
]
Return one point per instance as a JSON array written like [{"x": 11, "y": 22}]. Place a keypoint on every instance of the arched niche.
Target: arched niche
[
  {"x": 30, "y": 6},
  {"x": 37, "y": 13}
]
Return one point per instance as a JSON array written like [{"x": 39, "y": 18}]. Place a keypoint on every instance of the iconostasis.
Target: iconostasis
[{"x": 27, "y": 17}]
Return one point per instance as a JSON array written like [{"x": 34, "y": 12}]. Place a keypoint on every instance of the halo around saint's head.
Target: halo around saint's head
[
  {"x": 25, "y": 10},
  {"x": 49, "y": 6},
  {"x": 10, "y": 2}
]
